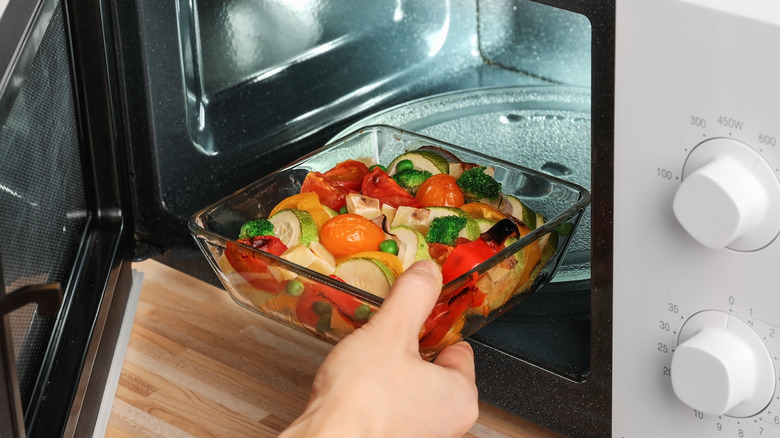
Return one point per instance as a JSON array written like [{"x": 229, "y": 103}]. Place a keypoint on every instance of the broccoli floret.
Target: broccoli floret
[
  {"x": 445, "y": 229},
  {"x": 411, "y": 179},
  {"x": 256, "y": 227},
  {"x": 476, "y": 184}
]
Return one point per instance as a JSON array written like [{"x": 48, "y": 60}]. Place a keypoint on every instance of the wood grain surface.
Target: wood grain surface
[{"x": 198, "y": 365}]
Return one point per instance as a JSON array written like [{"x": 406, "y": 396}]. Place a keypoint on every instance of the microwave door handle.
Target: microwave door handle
[
  {"x": 47, "y": 296},
  {"x": 11, "y": 414},
  {"x": 49, "y": 299}
]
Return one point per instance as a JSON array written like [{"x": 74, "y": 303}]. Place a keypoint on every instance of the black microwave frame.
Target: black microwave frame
[
  {"x": 129, "y": 222},
  {"x": 574, "y": 408}
]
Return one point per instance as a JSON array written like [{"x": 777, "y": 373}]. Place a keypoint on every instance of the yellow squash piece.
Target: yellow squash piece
[
  {"x": 306, "y": 201},
  {"x": 390, "y": 260},
  {"x": 479, "y": 210}
]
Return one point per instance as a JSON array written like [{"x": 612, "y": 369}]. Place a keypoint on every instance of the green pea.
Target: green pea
[
  {"x": 343, "y": 210},
  {"x": 377, "y": 165},
  {"x": 404, "y": 165},
  {"x": 321, "y": 307},
  {"x": 294, "y": 287},
  {"x": 389, "y": 246},
  {"x": 362, "y": 312},
  {"x": 323, "y": 324}
]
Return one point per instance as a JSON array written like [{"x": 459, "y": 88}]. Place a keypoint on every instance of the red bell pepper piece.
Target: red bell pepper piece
[
  {"x": 252, "y": 266},
  {"x": 378, "y": 184},
  {"x": 318, "y": 302},
  {"x": 461, "y": 258},
  {"x": 464, "y": 257},
  {"x": 314, "y": 312},
  {"x": 444, "y": 316}
]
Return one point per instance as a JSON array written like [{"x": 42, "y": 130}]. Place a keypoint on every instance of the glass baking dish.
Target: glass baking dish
[{"x": 330, "y": 309}]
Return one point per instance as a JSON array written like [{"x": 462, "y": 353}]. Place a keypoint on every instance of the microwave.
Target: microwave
[{"x": 122, "y": 119}]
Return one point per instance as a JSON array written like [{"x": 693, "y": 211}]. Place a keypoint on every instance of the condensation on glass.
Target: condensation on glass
[{"x": 267, "y": 72}]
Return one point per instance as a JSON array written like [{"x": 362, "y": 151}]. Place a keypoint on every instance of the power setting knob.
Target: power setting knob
[
  {"x": 720, "y": 366},
  {"x": 729, "y": 196}
]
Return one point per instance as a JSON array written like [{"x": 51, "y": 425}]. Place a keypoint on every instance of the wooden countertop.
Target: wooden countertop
[{"x": 198, "y": 365}]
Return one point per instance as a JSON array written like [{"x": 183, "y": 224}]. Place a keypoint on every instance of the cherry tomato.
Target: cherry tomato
[
  {"x": 439, "y": 252},
  {"x": 329, "y": 193},
  {"x": 347, "y": 234},
  {"x": 464, "y": 257},
  {"x": 348, "y": 174},
  {"x": 440, "y": 190},
  {"x": 378, "y": 184}
]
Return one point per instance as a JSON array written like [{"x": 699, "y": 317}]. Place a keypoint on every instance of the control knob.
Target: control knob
[
  {"x": 720, "y": 366},
  {"x": 729, "y": 197}
]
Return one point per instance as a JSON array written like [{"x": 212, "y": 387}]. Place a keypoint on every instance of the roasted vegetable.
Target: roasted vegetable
[
  {"x": 440, "y": 190},
  {"x": 378, "y": 184},
  {"x": 257, "y": 227},
  {"x": 252, "y": 266},
  {"x": 477, "y": 184},
  {"x": 411, "y": 179},
  {"x": 328, "y": 192},
  {"x": 294, "y": 226},
  {"x": 348, "y": 174},
  {"x": 349, "y": 233},
  {"x": 332, "y": 186},
  {"x": 389, "y": 246},
  {"x": 467, "y": 255},
  {"x": 318, "y": 303},
  {"x": 445, "y": 229},
  {"x": 369, "y": 274},
  {"x": 420, "y": 159}
]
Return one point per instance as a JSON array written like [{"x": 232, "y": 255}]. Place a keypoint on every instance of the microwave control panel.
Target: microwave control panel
[{"x": 696, "y": 310}]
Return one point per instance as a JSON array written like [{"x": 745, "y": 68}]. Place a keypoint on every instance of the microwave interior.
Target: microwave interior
[{"x": 239, "y": 88}]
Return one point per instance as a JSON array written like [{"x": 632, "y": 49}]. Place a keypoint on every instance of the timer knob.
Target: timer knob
[
  {"x": 729, "y": 197},
  {"x": 721, "y": 366}
]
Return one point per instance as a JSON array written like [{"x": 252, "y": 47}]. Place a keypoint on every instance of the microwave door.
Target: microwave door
[{"x": 64, "y": 217}]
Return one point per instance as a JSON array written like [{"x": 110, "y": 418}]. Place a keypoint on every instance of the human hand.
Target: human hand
[{"x": 375, "y": 384}]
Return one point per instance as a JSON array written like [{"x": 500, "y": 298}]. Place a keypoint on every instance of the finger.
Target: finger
[
  {"x": 459, "y": 357},
  {"x": 410, "y": 300}
]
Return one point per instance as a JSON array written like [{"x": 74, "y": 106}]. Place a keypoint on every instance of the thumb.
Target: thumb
[
  {"x": 458, "y": 357},
  {"x": 410, "y": 301}
]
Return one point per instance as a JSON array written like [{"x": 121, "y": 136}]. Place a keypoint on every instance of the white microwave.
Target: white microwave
[{"x": 122, "y": 119}]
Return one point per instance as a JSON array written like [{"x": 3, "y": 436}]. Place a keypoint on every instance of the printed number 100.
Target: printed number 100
[{"x": 665, "y": 173}]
